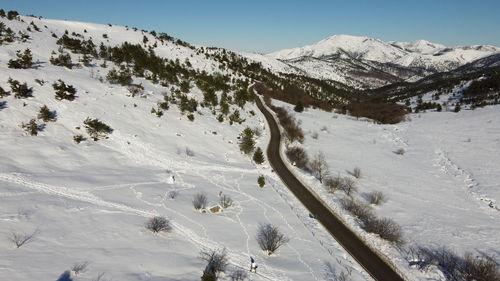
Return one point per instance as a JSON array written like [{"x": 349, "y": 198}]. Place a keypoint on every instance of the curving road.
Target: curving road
[{"x": 365, "y": 256}]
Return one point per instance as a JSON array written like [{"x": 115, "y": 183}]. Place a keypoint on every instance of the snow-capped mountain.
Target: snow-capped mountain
[{"x": 413, "y": 60}]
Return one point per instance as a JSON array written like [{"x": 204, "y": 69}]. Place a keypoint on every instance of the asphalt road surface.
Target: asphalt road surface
[{"x": 365, "y": 256}]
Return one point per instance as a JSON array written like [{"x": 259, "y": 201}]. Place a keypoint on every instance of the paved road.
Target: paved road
[{"x": 370, "y": 261}]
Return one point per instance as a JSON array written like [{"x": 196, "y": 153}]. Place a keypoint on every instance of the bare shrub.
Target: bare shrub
[
  {"x": 376, "y": 197},
  {"x": 298, "y": 156},
  {"x": 101, "y": 277},
  {"x": 385, "y": 113},
  {"x": 270, "y": 238},
  {"x": 159, "y": 224},
  {"x": 292, "y": 128},
  {"x": 358, "y": 209},
  {"x": 400, "y": 151},
  {"x": 200, "y": 201},
  {"x": 386, "y": 228},
  {"x": 332, "y": 184},
  {"x": 189, "y": 152},
  {"x": 238, "y": 275},
  {"x": 348, "y": 186},
  {"x": 217, "y": 260},
  {"x": 80, "y": 267},
  {"x": 225, "y": 201},
  {"x": 479, "y": 269},
  {"x": 19, "y": 239},
  {"x": 319, "y": 167},
  {"x": 172, "y": 194},
  {"x": 356, "y": 172}
]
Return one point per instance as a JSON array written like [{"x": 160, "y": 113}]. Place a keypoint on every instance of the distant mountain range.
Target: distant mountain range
[{"x": 366, "y": 63}]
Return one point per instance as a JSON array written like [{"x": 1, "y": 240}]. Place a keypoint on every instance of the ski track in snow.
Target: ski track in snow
[
  {"x": 447, "y": 166},
  {"x": 192, "y": 236},
  {"x": 142, "y": 154}
]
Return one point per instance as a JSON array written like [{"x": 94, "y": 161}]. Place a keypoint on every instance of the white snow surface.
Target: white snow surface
[
  {"x": 444, "y": 191},
  {"x": 90, "y": 201}
]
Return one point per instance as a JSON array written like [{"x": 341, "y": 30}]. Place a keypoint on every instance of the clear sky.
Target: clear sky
[{"x": 264, "y": 26}]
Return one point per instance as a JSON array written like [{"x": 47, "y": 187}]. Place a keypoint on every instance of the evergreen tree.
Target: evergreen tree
[
  {"x": 258, "y": 156},
  {"x": 46, "y": 115},
  {"x": 457, "y": 107},
  {"x": 63, "y": 91},
  {"x": 261, "y": 181},
  {"x": 299, "y": 107},
  {"x": 21, "y": 91},
  {"x": 247, "y": 142},
  {"x": 24, "y": 60}
]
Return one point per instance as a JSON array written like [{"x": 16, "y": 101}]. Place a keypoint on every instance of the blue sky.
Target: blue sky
[{"x": 265, "y": 26}]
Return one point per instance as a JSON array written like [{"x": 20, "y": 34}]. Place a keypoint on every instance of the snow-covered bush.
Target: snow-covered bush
[
  {"x": 21, "y": 91},
  {"x": 63, "y": 91},
  {"x": 96, "y": 129},
  {"x": 270, "y": 238},
  {"x": 78, "y": 138},
  {"x": 63, "y": 59},
  {"x": 122, "y": 77},
  {"x": 24, "y": 60}
]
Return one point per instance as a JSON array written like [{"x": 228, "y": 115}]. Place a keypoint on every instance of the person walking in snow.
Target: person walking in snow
[{"x": 253, "y": 265}]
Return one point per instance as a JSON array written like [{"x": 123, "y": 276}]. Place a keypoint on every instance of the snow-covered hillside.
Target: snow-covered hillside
[
  {"x": 414, "y": 60},
  {"x": 89, "y": 201},
  {"x": 438, "y": 172}
]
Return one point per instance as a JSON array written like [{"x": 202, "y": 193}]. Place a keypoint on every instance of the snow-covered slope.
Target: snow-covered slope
[
  {"x": 90, "y": 201},
  {"x": 438, "y": 172},
  {"x": 415, "y": 60}
]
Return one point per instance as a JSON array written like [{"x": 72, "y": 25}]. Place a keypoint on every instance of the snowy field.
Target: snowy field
[
  {"x": 444, "y": 190},
  {"x": 89, "y": 202}
]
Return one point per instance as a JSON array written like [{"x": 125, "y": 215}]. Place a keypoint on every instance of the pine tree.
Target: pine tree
[
  {"x": 247, "y": 142},
  {"x": 24, "y": 60},
  {"x": 258, "y": 156},
  {"x": 261, "y": 181},
  {"x": 63, "y": 91},
  {"x": 46, "y": 115},
  {"x": 457, "y": 107}
]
